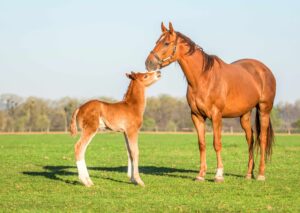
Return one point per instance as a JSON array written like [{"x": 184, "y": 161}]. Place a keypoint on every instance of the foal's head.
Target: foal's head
[
  {"x": 145, "y": 79},
  {"x": 164, "y": 51}
]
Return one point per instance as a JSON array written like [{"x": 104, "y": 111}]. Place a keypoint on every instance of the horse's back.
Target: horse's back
[
  {"x": 263, "y": 75},
  {"x": 248, "y": 83}
]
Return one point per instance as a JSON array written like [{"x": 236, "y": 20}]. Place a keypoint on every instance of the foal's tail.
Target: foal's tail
[
  {"x": 270, "y": 136},
  {"x": 73, "y": 126}
]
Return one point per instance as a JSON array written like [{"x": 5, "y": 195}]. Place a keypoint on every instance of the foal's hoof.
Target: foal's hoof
[
  {"x": 219, "y": 179},
  {"x": 261, "y": 178},
  {"x": 141, "y": 183},
  {"x": 86, "y": 181},
  {"x": 137, "y": 182},
  {"x": 199, "y": 179}
]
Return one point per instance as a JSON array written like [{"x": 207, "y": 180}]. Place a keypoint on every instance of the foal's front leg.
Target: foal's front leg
[
  {"x": 131, "y": 139},
  {"x": 129, "y": 168}
]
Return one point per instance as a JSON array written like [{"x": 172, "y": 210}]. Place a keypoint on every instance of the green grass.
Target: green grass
[{"x": 38, "y": 174}]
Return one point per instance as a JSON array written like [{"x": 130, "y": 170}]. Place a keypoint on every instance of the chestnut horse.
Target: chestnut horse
[
  {"x": 125, "y": 116},
  {"x": 219, "y": 90}
]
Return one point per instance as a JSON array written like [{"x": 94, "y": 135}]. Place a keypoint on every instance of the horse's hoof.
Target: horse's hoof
[
  {"x": 199, "y": 179},
  {"x": 219, "y": 179},
  {"x": 261, "y": 178},
  {"x": 249, "y": 177}
]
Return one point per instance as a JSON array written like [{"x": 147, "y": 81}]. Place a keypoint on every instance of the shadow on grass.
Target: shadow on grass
[{"x": 53, "y": 172}]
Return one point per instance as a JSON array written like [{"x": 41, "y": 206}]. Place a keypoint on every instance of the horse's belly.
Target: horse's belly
[{"x": 239, "y": 106}]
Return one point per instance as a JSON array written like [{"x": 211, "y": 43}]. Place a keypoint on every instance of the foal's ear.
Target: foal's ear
[
  {"x": 171, "y": 29},
  {"x": 128, "y": 75},
  {"x": 163, "y": 28},
  {"x": 131, "y": 76}
]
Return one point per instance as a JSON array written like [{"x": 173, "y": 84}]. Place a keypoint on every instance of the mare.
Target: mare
[{"x": 217, "y": 90}]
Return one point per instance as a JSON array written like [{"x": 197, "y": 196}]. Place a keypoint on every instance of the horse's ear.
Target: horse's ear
[
  {"x": 163, "y": 28},
  {"x": 171, "y": 29}
]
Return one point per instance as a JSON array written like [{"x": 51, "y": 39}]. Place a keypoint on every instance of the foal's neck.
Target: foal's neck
[{"x": 135, "y": 96}]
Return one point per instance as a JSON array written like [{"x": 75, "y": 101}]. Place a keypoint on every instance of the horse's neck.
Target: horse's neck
[
  {"x": 136, "y": 96},
  {"x": 192, "y": 67}
]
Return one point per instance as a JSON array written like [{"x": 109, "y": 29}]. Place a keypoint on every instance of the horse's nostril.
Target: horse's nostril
[{"x": 148, "y": 64}]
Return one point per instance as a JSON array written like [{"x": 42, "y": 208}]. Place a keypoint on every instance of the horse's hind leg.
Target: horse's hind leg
[
  {"x": 80, "y": 148},
  {"x": 131, "y": 138},
  {"x": 264, "y": 112},
  {"x": 246, "y": 125}
]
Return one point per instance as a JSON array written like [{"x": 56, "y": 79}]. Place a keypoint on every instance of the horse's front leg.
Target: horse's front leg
[
  {"x": 199, "y": 123},
  {"x": 131, "y": 138},
  {"x": 217, "y": 128}
]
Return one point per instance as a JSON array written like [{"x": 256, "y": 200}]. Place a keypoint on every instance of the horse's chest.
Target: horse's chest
[{"x": 198, "y": 104}]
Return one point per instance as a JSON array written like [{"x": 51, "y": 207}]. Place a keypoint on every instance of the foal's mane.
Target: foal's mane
[
  {"x": 129, "y": 89},
  {"x": 208, "y": 60}
]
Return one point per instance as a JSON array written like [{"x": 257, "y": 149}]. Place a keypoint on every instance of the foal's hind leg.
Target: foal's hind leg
[
  {"x": 246, "y": 125},
  {"x": 131, "y": 138},
  {"x": 80, "y": 148}
]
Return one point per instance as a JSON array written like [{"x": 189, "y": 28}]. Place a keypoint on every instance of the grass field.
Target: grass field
[{"x": 38, "y": 174}]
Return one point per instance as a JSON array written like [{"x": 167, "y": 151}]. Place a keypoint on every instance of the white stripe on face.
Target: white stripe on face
[{"x": 161, "y": 38}]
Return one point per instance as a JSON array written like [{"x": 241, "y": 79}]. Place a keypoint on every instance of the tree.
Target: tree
[
  {"x": 296, "y": 124},
  {"x": 149, "y": 124},
  {"x": 275, "y": 118},
  {"x": 171, "y": 126}
]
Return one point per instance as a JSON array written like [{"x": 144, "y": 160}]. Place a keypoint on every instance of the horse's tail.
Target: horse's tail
[
  {"x": 270, "y": 136},
  {"x": 73, "y": 125}
]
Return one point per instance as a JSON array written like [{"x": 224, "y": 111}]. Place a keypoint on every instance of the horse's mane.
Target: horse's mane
[{"x": 208, "y": 60}]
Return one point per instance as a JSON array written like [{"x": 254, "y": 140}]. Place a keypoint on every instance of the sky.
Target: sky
[{"x": 82, "y": 49}]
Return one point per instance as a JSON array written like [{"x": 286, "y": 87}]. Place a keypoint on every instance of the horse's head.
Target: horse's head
[
  {"x": 146, "y": 79},
  {"x": 165, "y": 50}
]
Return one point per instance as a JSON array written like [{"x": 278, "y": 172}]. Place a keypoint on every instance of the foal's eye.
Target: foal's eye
[
  {"x": 145, "y": 76},
  {"x": 166, "y": 43}
]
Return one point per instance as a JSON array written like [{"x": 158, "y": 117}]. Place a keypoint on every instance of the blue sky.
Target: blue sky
[{"x": 82, "y": 49}]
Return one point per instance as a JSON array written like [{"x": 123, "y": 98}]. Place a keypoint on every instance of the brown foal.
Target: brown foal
[
  {"x": 125, "y": 116},
  {"x": 217, "y": 89}
]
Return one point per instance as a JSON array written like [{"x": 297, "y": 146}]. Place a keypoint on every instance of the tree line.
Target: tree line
[{"x": 162, "y": 113}]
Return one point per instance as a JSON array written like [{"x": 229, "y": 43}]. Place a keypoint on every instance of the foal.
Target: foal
[{"x": 125, "y": 116}]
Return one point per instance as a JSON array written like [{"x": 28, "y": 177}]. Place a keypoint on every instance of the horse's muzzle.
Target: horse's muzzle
[{"x": 151, "y": 63}]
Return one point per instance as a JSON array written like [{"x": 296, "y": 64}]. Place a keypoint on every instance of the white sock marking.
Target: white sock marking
[
  {"x": 219, "y": 172},
  {"x": 82, "y": 170}
]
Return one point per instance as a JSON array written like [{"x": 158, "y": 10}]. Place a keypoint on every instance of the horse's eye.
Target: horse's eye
[
  {"x": 166, "y": 43},
  {"x": 145, "y": 76}
]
